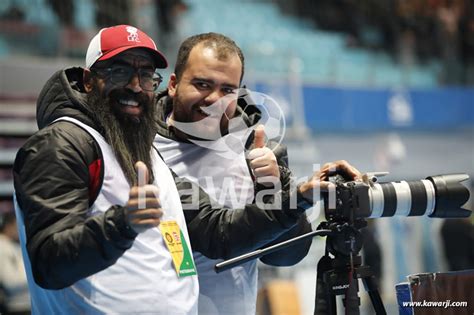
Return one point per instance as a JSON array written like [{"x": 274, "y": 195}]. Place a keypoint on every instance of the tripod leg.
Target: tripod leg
[
  {"x": 325, "y": 303},
  {"x": 371, "y": 288},
  {"x": 351, "y": 297}
]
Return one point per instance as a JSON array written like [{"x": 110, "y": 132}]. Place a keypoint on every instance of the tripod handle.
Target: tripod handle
[{"x": 231, "y": 263}]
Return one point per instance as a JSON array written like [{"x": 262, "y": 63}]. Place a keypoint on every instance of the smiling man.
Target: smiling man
[
  {"x": 194, "y": 116},
  {"x": 91, "y": 229},
  {"x": 125, "y": 113},
  {"x": 209, "y": 74}
]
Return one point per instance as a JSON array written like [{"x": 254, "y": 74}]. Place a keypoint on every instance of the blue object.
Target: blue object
[{"x": 403, "y": 295}]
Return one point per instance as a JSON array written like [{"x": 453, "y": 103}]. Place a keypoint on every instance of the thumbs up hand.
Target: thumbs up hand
[
  {"x": 259, "y": 137},
  {"x": 143, "y": 206},
  {"x": 263, "y": 161}
]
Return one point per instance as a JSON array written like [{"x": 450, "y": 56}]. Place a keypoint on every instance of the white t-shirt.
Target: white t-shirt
[{"x": 227, "y": 180}]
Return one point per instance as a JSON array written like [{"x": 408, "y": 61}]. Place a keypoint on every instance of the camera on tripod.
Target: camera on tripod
[
  {"x": 346, "y": 210},
  {"x": 440, "y": 196}
]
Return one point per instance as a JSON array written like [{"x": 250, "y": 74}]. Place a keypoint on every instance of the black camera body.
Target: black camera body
[
  {"x": 440, "y": 196},
  {"x": 352, "y": 200}
]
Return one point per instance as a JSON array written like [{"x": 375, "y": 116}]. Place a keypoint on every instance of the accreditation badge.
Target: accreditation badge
[{"x": 179, "y": 249}]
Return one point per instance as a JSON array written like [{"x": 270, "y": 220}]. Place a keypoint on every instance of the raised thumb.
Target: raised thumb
[
  {"x": 259, "y": 137},
  {"x": 142, "y": 172}
]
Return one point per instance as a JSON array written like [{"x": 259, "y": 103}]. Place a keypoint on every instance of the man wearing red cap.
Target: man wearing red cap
[
  {"x": 87, "y": 186},
  {"x": 101, "y": 221}
]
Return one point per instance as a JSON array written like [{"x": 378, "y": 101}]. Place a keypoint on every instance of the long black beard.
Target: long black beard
[{"x": 131, "y": 138}]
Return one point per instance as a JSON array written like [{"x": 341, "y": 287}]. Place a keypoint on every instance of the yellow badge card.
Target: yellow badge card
[{"x": 179, "y": 249}]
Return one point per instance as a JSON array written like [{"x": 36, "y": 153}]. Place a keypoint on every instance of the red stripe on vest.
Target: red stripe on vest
[{"x": 94, "y": 178}]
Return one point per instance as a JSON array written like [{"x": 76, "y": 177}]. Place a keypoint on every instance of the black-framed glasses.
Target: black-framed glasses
[{"x": 120, "y": 74}]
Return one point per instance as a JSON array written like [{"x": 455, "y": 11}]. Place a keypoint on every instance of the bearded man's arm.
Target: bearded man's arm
[{"x": 53, "y": 191}]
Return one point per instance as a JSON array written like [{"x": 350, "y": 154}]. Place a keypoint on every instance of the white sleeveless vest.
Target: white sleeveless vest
[
  {"x": 143, "y": 280},
  {"x": 232, "y": 292}
]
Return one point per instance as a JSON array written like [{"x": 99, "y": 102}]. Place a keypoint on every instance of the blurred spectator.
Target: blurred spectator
[
  {"x": 110, "y": 13},
  {"x": 12, "y": 274},
  {"x": 13, "y": 13},
  {"x": 340, "y": 15},
  {"x": 168, "y": 13},
  {"x": 64, "y": 10},
  {"x": 405, "y": 53},
  {"x": 458, "y": 243},
  {"x": 448, "y": 18},
  {"x": 164, "y": 14},
  {"x": 466, "y": 34},
  {"x": 71, "y": 40},
  {"x": 413, "y": 31}
]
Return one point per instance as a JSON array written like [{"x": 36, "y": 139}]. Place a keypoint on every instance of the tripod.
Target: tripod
[
  {"x": 336, "y": 276},
  {"x": 339, "y": 275}
]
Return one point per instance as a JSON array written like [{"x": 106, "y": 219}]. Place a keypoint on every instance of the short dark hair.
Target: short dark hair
[{"x": 223, "y": 45}]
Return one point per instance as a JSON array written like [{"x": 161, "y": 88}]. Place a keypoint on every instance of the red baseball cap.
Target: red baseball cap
[{"x": 113, "y": 40}]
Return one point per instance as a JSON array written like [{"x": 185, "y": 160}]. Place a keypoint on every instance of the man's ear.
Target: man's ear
[
  {"x": 87, "y": 79},
  {"x": 172, "y": 85}
]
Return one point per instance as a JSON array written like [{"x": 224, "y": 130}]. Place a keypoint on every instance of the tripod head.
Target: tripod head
[
  {"x": 338, "y": 275},
  {"x": 345, "y": 237}
]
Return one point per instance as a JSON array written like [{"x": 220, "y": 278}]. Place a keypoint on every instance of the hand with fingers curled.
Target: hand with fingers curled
[
  {"x": 319, "y": 181},
  {"x": 143, "y": 209},
  {"x": 263, "y": 161}
]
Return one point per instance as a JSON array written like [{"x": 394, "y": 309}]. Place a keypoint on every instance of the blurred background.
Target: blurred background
[{"x": 386, "y": 84}]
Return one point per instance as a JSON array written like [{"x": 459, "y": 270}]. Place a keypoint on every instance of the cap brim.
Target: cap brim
[{"x": 159, "y": 58}]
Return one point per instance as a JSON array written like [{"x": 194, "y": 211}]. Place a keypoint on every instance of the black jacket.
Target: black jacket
[
  {"x": 56, "y": 180},
  {"x": 285, "y": 257}
]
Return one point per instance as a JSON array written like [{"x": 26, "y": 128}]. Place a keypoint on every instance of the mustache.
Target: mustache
[{"x": 140, "y": 97}]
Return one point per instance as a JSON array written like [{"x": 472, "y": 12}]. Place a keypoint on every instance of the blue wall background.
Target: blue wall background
[{"x": 337, "y": 109}]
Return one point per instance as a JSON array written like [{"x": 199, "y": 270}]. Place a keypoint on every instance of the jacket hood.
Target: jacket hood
[
  {"x": 164, "y": 105},
  {"x": 63, "y": 95}
]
